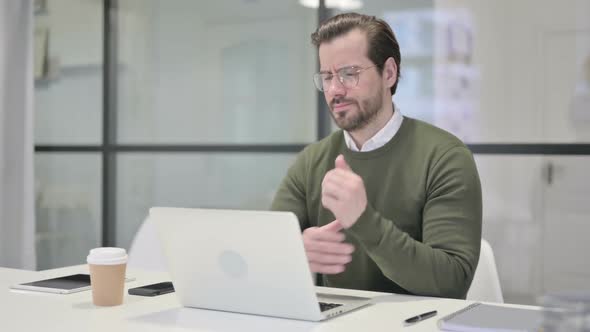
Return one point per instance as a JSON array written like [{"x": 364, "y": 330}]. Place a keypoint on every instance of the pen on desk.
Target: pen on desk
[{"x": 420, "y": 317}]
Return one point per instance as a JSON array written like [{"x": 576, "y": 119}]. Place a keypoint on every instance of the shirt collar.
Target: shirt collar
[{"x": 383, "y": 136}]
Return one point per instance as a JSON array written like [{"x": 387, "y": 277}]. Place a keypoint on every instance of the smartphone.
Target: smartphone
[
  {"x": 61, "y": 285},
  {"x": 153, "y": 289}
]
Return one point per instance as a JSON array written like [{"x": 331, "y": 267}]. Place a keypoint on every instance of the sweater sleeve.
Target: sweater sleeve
[
  {"x": 291, "y": 195},
  {"x": 444, "y": 261}
]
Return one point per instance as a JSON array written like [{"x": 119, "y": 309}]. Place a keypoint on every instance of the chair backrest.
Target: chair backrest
[
  {"x": 486, "y": 283},
  {"x": 146, "y": 250}
]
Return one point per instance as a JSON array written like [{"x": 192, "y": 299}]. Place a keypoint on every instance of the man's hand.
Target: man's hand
[
  {"x": 343, "y": 193},
  {"x": 326, "y": 252}
]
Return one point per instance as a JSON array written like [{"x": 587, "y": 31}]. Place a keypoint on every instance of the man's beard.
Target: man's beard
[{"x": 366, "y": 112}]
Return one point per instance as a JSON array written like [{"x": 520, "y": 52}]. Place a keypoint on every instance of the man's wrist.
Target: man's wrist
[{"x": 364, "y": 227}]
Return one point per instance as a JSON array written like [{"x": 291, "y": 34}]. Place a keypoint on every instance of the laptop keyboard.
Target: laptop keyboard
[{"x": 327, "y": 306}]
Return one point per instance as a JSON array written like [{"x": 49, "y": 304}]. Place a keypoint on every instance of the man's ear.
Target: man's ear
[{"x": 390, "y": 72}]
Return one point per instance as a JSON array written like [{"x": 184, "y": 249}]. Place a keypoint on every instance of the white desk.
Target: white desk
[{"x": 31, "y": 311}]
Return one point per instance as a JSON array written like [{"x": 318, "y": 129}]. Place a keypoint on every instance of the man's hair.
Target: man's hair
[{"x": 381, "y": 41}]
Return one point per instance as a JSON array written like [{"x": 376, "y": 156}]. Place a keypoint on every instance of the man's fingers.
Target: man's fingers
[
  {"x": 329, "y": 259},
  {"x": 328, "y": 247},
  {"x": 317, "y": 234},
  {"x": 334, "y": 226},
  {"x": 326, "y": 252},
  {"x": 326, "y": 269},
  {"x": 332, "y": 186},
  {"x": 330, "y": 202},
  {"x": 339, "y": 186},
  {"x": 338, "y": 176},
  {"x": 329, "y": 189},
  {"x": 341, "y": 163}
]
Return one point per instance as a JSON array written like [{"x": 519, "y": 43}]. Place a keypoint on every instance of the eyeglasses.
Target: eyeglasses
[{"x": 347, "y": 76}]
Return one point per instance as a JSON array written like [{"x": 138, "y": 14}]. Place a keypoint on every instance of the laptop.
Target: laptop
[{"x": 249, "y": 262}]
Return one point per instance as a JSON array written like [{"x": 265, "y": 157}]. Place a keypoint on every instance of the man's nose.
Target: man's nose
[{"x": 335, "y": 88}]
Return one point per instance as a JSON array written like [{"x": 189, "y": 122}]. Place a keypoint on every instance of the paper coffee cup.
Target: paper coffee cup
[{"x": 107, "y": 275}]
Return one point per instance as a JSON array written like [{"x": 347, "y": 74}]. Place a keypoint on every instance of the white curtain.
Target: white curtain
[{"x": 17, "y": 211}]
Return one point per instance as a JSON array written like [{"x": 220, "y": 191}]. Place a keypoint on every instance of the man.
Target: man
[{"x": 388, "y": 203}]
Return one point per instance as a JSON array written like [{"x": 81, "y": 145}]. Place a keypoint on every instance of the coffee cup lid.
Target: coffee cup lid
[{"x": 107, "y": 256}]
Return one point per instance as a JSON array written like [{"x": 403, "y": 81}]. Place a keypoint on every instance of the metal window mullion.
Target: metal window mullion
[
  {"x": 109, "y": 130},
  {"x": 323, "y": 115}
]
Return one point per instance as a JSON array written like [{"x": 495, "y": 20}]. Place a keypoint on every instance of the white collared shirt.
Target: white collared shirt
[{"x": 381, "y": 137}]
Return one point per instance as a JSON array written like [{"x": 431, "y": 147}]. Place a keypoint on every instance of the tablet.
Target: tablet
[{"x": 61, "y": 285}]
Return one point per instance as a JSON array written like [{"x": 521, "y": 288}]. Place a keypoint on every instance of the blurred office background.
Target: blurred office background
[{"x": 206, "y": 103}]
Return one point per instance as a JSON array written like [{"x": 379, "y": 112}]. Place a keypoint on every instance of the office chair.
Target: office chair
[
  {"x": 146, "y": 251},
  {"x": 486, "y": 283}
]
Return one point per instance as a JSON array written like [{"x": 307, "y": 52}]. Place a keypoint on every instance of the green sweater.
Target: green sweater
[{"x": 420, "y": 233}]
